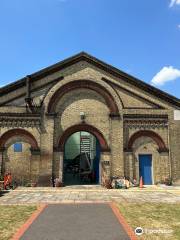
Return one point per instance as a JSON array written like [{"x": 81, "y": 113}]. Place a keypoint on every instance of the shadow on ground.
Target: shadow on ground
[{"x": 2, "y": 193}]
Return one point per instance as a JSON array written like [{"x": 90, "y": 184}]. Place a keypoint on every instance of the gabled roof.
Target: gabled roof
[{"x": 83, "y": 56}]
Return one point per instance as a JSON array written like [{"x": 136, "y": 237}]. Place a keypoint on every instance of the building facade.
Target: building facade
[{"x": 137, "y": 125}]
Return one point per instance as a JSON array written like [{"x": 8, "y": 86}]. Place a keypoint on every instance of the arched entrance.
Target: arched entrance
[
  {"x": 145, "y": 153},
  {"x": 81, "y": 159},
  {"x": 98, "y": 166}
]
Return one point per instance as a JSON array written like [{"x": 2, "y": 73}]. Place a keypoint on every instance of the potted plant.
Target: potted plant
[
  {"x": 107, "y": 183},
  {"x": 165, "y": 182},
  {"x": 168, "y": 181}
]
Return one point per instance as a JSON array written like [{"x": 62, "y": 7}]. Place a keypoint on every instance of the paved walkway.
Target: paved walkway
[
  {"x": 76, "y": 221},
  {"x": 89, "y": 194}
]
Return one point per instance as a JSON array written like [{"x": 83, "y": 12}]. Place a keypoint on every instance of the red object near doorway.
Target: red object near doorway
[{"x": 141, "y": 182}]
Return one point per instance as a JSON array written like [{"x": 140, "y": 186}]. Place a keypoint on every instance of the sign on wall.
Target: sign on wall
[{"x": 176, "y": 114}]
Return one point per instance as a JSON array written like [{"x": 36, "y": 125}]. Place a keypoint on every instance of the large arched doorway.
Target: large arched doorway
[
  {"x": 81, "y": 163},
  {"x": 102, "y": 151}
]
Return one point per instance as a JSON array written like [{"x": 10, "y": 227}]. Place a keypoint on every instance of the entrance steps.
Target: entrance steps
[
  {"x": 94, "y": 187},
  {"x": 84, "y": 187}
]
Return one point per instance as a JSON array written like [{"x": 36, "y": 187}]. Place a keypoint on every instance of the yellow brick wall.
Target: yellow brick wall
[
  {"x": 97, "y": 115},
  {"x": 18, "y": 163}
]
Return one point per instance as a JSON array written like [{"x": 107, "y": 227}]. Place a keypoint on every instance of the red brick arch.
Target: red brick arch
[
  {"x": 147, "y": 133},
  {"x": 83, "y": 84},
  {"x": 18, "y": 132},
  {"x": 83, "y": 127}
]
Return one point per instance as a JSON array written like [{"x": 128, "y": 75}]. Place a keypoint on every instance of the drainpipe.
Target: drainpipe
[
  {"x": 28, "y": 86},
  {"x": 170, "y": 160},
  {"x": 28, "y": 98}
]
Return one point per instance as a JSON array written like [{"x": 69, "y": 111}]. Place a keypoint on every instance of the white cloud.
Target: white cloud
[
  {"x": 173, "y": 2},
  {"x": 166, "y": 74},
  {"x": 178, "y": 26}
]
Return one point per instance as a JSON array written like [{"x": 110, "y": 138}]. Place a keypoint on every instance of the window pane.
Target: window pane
[{"x": 18, "y": 147}]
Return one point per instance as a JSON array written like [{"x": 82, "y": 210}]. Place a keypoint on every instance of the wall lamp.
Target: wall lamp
[{"x": 82, "y": 116}]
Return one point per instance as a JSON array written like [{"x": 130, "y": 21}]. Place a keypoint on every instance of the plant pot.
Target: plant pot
[{"x": 108, "y": 184}]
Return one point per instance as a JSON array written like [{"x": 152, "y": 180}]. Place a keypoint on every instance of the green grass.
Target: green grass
[
  {"x": 153, "y": 216},
  {"x": 146, "y": 215},
  {"x": 12, "y": 217}
]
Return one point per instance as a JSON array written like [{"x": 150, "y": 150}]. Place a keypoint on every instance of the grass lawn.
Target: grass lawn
[
  {"x": 12, "y": 217},
  {"x": 153, "y": 216},
  {"x": 147, "y": 215}
]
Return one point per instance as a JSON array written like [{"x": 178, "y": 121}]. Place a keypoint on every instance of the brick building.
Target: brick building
[{"x": 136, "y": 125}]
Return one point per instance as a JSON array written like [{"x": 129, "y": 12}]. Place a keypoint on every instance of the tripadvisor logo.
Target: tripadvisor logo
[{"x": 139, "y": 231}]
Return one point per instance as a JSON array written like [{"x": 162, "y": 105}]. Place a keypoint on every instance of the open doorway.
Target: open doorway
[{"x": 81, "y": 159}]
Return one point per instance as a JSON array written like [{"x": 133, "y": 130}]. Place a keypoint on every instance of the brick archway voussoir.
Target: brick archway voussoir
[
  {"x": 147, "y": 133},
  {"x": 83, "y": 84},
  {"x": 82, "y": 127},
  {"x": 19, "y": 132}
]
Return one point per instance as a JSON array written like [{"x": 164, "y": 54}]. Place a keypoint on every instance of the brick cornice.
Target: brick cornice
[
  {"x": 21, "y": 115},
  {"x": 20, "y": 119}
]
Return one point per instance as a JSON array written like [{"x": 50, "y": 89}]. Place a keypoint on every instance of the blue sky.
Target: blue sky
[{"x": 140, "y": 37}]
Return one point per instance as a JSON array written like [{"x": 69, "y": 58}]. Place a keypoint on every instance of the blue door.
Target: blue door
[{"x": 145, "y": 168}]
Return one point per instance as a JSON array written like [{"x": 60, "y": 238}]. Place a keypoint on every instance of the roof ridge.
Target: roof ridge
[{"x": 99, "y": 63}]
